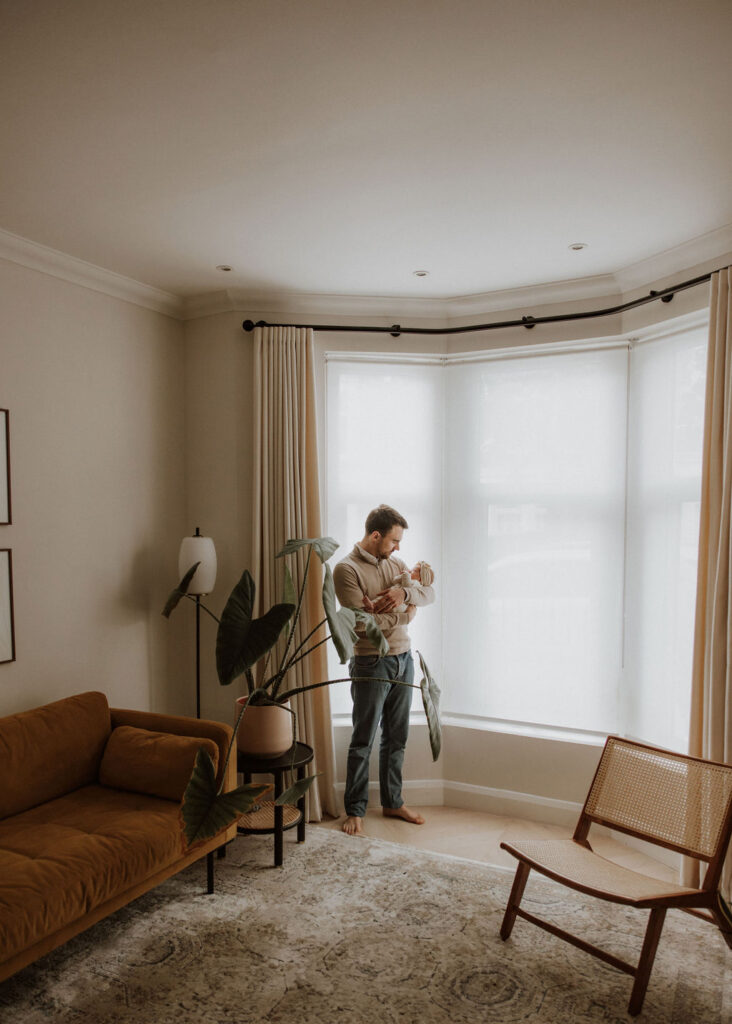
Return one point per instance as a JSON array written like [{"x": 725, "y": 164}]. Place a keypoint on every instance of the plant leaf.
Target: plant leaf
[
  {"x": 180, "y": 591},
  {"x": 204, "y": 811},
  {"x": 297, "y": 790},
  {"x": 341, "y": 621},
  {"x": 241, "y": 641},
  {"x": 431, "y": 703},
  {"x": 290, "y": 594},
  {"x": 373, "y": 633},
  {"x": 323, "y": 547}
]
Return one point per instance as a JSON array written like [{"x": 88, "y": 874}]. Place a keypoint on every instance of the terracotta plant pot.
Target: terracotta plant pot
[{"x": 266, "y": 730}]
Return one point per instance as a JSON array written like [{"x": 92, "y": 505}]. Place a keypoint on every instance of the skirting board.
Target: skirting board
[{"x": 443, "y": 793}]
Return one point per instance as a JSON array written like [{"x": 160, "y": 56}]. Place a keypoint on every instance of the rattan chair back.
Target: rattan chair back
[{"x": 680, "y": 802}]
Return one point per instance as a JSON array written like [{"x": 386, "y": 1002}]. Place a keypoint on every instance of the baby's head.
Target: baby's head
[{"x": 423, "y": 573}]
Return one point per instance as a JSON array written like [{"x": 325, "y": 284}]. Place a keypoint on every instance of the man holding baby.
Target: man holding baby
[{"x": 370, "y": 577}]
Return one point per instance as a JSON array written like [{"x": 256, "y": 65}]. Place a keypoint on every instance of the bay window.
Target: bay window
[{"x": 556, "y": 492}]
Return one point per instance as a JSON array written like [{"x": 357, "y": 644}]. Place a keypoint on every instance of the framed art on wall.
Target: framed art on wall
[
  {"x": 7, "y": 625},
  {"x": 5, "y": 516}
]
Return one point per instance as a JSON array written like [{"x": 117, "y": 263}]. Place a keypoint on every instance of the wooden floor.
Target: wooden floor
[{"x": 477, "y": 836}]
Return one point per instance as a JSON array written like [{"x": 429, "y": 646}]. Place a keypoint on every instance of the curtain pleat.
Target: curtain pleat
[
  {"x": 710, "y": 733},
  {"x": 287, "y": 505}
]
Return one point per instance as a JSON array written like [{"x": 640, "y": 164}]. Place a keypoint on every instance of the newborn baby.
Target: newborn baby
[{"x": 422, "y": 574}]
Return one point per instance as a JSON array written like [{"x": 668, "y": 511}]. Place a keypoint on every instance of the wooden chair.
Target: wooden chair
[{"x": 678, "y": 802}]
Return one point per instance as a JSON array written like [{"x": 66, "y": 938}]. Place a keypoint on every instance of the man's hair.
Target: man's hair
[{"x": 382, "y": 519}]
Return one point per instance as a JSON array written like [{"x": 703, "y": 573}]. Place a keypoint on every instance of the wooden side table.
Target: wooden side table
[{"x": 272, "y": 818}]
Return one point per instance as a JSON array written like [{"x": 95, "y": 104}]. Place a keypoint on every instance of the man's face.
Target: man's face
[{"x": 388, "y": 543}]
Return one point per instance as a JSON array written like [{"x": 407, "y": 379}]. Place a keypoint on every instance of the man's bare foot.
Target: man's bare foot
[
  {"x": 404, "y": 813},
  {"x": 352, "y": 826}
]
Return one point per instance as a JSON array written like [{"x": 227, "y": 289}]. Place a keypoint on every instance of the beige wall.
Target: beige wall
[
  {"x": 219, "y": 462},
  {"x": 94, "y": 386}
]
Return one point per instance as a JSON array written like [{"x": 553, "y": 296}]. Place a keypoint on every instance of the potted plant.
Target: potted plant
[{"x": 245, "y": 644}]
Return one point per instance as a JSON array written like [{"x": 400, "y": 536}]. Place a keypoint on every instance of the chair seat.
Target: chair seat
[{"x": 579, "y": 868}]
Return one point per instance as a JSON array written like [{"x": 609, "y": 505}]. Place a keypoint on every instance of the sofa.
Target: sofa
[{"x": 90, "y": 815}]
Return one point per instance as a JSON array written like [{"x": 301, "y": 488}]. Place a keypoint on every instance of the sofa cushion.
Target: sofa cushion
[
  {"x": 155, "y": 763},
  {"x": 62, "y": 859},
  {"x": 51, "y": 750}
]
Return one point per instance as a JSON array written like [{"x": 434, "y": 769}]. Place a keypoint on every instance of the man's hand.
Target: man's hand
[
  {"x": 368, "y": 604},
  {"x": 389, "y": 599}
]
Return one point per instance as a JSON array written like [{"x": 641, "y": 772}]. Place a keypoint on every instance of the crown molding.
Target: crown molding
[
  {"x": 390, "y": 309},
  {"x": 59, "y": 264},
  {"x": 701, "y": 254}
]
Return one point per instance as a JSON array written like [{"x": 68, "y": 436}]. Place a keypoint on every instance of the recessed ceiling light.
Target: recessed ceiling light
[
  {"x": 224, "y": 267},
  {"x": 576, "y": 246},
  {"x": 420, "y": 273}
]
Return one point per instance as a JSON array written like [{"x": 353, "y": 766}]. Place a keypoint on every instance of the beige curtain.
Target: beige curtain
[
  {"x": 287, "y": 505},
  {"x": 711, "y": 700}
]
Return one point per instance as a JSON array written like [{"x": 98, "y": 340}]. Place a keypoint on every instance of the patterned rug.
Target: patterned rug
[{"x": 362, "y": 931}]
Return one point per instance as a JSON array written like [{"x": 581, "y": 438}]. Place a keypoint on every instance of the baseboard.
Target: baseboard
[
  {"x": 506, "y": 802},
  {"x": 443, "y": 793}
]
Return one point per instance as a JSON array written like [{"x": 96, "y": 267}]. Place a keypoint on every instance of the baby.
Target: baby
[{"x": 422, "y": 574}]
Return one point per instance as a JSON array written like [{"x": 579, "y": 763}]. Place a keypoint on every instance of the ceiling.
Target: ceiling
[{"x": 336, "y": 146}]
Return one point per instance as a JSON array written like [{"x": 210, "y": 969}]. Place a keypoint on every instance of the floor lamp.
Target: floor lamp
[{"x": 198, "y": 549}]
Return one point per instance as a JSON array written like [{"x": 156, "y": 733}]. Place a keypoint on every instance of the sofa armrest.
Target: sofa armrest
[{"x": 219, "y": 732}]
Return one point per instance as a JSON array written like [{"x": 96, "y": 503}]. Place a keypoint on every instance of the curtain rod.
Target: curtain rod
[{"x": 665, "y": 295}]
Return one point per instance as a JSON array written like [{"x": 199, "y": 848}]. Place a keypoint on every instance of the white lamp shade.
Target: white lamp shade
[{"x": 198, "y": 549}]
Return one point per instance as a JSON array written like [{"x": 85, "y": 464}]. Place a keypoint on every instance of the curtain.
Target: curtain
[
  {"x": 710, "y": 732},
  {"x": 287, "y": 505}
]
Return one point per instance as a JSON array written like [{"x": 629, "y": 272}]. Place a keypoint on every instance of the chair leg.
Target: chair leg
[
  {"x": 514, "y": 900},
  {"x": 723, "y": 925},
  {"x": 645, "y": 964}
]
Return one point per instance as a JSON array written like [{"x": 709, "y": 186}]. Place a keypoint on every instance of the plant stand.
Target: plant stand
[{"x": 271, "y": 818}]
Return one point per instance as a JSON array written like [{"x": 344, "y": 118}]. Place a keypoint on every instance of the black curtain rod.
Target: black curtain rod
[{"x": 665, "y": 295}]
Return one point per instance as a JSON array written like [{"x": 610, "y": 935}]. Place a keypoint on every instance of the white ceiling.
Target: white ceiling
[{"x": 335, "y": 146}]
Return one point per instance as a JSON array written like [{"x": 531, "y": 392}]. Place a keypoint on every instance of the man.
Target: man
[{"x": 365, "y": 579}]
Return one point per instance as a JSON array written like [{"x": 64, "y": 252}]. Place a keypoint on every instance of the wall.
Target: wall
[
  {"x": 219, "y": 461},
  {"x": 94, "y": 386}
]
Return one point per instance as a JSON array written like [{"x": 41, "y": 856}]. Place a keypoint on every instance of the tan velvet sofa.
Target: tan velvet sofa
[{"x": 89, "y": 815}]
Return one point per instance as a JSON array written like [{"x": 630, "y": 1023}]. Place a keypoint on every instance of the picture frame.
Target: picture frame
[
  {"x": 7, "y": 616},
  {"x": 5, "y": 505}
]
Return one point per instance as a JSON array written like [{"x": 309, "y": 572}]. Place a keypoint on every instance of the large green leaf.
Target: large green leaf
[
  {"x": 180, "y": 591},
  {"x": 296, "y": 790},
  {"x": 241, "y": 641},
  {"x": 341, "y": 621},
  {"x": 431, "y": 703},
  {"x": 323, "y": 547},
  {"x": 206, "y": 812},
  {"x": 373, "y": 633}
]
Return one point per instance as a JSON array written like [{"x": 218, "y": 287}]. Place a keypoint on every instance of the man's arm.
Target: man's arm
[{"x": 349, "y": 593}]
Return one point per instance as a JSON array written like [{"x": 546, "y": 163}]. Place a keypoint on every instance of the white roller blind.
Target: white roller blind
[
  {"x": 664, "y": 484},
  {"x": 533, "y": 538},
  {"x": 384, "y": 439}
]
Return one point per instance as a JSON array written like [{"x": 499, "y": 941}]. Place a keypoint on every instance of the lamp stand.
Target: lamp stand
[{"x": 198, "y": 656}]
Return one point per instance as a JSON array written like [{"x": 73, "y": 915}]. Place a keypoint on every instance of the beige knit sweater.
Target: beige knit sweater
[{"x": 360, "y": 574}]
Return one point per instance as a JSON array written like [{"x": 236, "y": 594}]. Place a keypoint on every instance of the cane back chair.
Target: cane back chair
[{"x": 678, "y": 802}]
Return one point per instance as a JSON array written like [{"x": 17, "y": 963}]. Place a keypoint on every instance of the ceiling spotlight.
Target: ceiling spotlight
[
  {"x": 224, "y": 267},
  {"x": 420, "y": 273},
  {"x": 576, "y": 246}
]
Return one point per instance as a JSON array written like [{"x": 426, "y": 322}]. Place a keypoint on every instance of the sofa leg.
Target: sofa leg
[{"x": 210, "y": 872}]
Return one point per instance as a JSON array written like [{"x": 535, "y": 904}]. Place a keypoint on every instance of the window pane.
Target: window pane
[
  {"x": 384, "y": 440},
  {"x": 533, "y": 538},
  {"x": 664, "y": 483}
]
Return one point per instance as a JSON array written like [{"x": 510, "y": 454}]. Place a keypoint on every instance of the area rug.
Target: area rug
[{"x": 362, "y": 931}]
